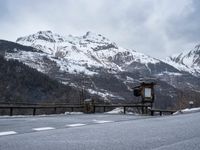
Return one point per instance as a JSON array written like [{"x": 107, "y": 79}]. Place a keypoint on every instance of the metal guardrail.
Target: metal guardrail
[
  {"x": 161, "y": 111},
  {"x": 144, "y": 107},
  {"x": 35, "y": 107},
  {"x": 124, "y": 106}
]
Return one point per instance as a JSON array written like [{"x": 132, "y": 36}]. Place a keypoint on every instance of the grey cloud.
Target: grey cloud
[
  {"x": 157, "y": 27},
  {"x": 186, "y": 27}
]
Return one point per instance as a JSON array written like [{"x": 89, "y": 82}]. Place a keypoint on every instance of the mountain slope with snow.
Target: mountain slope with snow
[
  {"x": 22, "y": 84},
  {"x": 99, "y": 66},
  {"x": 87, "y": 53},
  {"x": 188, "y": 61}
]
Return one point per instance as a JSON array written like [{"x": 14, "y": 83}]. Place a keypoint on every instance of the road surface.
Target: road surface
[{"x": 100, "y": 132}]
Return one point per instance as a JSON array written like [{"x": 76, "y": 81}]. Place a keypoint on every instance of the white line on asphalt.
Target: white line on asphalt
[
  {"x": 43, "y": 128},
  {"x": 102, "y": 121},
  {"x": 75, "y": 125},
  {"x": 7, "y": 133}
]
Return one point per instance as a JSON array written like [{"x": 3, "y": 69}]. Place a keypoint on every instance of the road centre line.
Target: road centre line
[
  {"x": 43, "y": 128},
  {"x": 7, "y": 133},
  {"x": 102, "y": 121},
  {"x": 75, "y": 125}
]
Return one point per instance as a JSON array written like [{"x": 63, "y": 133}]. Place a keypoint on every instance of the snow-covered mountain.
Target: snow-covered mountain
[
  {"x": 86, "y": 53},
  {"x": 187, "y": 61},
  {"x": 98, "y": 65}
]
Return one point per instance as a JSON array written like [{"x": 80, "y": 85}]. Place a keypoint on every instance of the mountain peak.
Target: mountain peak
[
  {"x": 197, "y": 47},
  {"x": 95, "y": 37},
  {"x": 45, "y": 32},
  {"x": 187, "y": 61},
  {"x": 90, "y": 33},
  {"x": 43, "y": 36}
]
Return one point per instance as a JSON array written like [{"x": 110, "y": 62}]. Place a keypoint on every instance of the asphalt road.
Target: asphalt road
[{"x": 100, "y": 132}]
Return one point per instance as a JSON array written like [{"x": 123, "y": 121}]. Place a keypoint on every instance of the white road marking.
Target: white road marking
[
  {"x": 43, "y": 128},
  {"x": 102, "y": 121},
  {"x": 75, "y": 125},
  {"x": 7, "y": 133}
]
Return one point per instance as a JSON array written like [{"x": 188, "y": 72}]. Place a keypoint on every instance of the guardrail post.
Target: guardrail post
[
  {"x": 11, "y": 111},
  {"x": 72, "y": 109},
  {"x": 104, "y": 108},
  {"x": 146, "y": 109},
  {"x": 152, "y": 112},
  {"x": 142, "y": 109},
  {"x": 55, "y": 110},
  {"x": 34, "y": 111},
  {"x": 124, "y": 109}
]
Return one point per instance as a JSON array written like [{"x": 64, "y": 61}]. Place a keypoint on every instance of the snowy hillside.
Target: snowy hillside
[
  {"x": 82, "y": 54},
  {"x": 188, "y": 61},
  {"x": 100, "y": 66}
]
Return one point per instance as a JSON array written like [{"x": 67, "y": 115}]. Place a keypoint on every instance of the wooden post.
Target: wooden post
[
  {"x": 146, "y": 110},
  {"x": 34, "y": 111},
  {"x": 11, "y": 111},
  {"x": 152, "y": 113},
  {"x": 94, "y": 109},
  {"x": 72, "y": 109},
  {"x": 124, "y": 109},
  {"x": 104, "y": 108},
  {"x": 138, "y": 110},
  {"x": 160, "y": 113},
  {"x": 142, "y": 109},
  {"x": 55, "y": 110}
]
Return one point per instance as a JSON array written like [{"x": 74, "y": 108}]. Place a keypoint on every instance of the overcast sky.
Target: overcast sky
[{"x": 158, "y": 28}]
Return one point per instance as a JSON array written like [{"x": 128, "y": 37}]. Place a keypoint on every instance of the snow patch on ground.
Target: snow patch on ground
[
  {"x": 104, "y": 94},
  {"x": 74, "y": 113},
  {"x": 187, "y": 111},
  {"x": 170, "y": 73},
  {"x": 120, "y": 110}
]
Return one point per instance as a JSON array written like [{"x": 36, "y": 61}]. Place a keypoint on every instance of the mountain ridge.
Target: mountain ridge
[
  {"x": 102, "y": 67},
  {"x": 90, "y": 49}
]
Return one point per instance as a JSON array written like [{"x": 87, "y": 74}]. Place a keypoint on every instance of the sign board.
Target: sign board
[{"x": 147, "y": 92}]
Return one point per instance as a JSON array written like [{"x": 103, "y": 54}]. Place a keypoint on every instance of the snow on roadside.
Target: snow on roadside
[
  {"x": 120, "y": 110},
  {"x": 187, "y": 111},
  {"x": 74, "y": 113}
]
